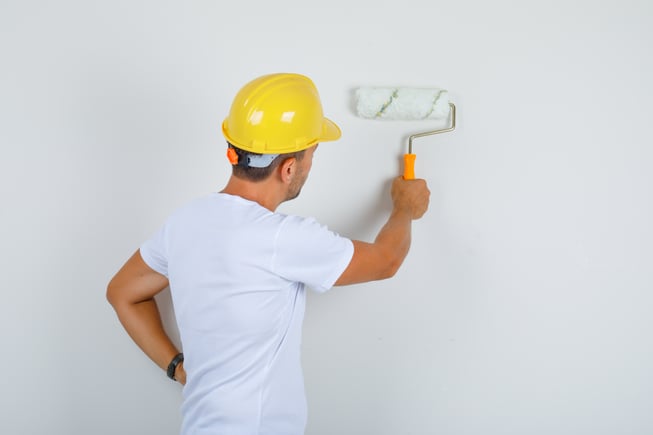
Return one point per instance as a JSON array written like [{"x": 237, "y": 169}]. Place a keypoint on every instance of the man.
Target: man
[{"x": 237, "y": 270}]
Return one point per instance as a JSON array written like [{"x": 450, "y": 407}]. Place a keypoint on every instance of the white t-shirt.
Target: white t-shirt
[{"x": 237, "y": 273}]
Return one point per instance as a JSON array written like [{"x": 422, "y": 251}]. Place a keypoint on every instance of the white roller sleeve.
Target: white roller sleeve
[{"x": 402, "y": 103}]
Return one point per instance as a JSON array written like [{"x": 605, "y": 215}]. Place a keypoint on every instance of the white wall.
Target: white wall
[{"x": 525, "y": 304}]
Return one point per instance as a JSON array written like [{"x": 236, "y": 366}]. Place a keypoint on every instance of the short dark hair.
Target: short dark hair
[{"x": 259, "y": 174}]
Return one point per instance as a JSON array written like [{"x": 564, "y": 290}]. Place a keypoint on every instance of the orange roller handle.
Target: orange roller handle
[{"x": 409, "y": 166}]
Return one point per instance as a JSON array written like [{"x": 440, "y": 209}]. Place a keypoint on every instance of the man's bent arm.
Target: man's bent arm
[
  {"x": 382, "y": 259},
  {"x": 131, "y": 293}
]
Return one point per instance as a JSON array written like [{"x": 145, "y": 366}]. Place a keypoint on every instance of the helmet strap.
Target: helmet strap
[{"x": 249, "y": 160}]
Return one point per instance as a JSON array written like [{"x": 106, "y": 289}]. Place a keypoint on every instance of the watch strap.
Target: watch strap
[{"x": 172, "y": 367}]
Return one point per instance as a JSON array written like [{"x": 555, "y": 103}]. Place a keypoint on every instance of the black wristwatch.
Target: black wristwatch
[{"x": 173, "y": 365}]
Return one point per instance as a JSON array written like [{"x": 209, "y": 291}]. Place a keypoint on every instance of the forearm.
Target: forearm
[
  {"x": 382, "y": 258},
  {"x": 394, "y": 237},
  {"x": 142, "y": 321},
  {"x": 131, "y": 293}
]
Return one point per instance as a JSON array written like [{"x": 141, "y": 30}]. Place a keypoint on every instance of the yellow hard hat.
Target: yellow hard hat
[{"x": 276, "y": 114}]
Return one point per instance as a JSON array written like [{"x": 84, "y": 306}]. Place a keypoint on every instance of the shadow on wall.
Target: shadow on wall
[{"x": 366, "y": 225}]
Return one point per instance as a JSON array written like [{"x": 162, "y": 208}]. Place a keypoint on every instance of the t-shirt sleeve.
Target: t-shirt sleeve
[
  {"x": 308, "y": 252},
  {"x": 154, "y": 252}
]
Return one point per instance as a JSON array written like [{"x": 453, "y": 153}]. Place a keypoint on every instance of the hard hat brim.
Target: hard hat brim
[{"x": 330, "y": 131}]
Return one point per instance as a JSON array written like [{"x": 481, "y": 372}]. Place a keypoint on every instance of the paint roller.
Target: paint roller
[{"x": 406, "y": 104}]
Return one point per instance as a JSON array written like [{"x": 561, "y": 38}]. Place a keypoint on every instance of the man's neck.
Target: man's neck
[{"x": 262, "y": 192}]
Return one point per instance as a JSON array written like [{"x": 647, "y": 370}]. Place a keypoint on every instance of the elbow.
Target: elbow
[
  {"x": 115, "y": 297},
  {"x": 112, "y": 294},
  {"x": 372, "y": 262},
  {"x": 392, "y": 266}
]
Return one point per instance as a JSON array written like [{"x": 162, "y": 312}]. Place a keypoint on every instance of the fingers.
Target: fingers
[{"x": 411, "y": 196}]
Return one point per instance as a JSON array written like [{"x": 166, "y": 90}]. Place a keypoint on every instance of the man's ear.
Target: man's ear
[{"x": 287, "y": 169}]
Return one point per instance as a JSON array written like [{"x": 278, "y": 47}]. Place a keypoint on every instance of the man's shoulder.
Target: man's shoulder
[{"x": 305, "y": 227}]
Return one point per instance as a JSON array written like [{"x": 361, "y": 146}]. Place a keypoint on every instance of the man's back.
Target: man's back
[{"x": 236, "y": 271}]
